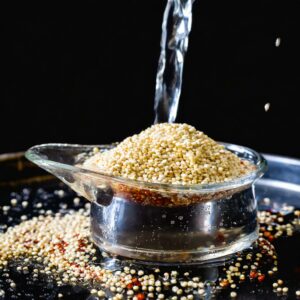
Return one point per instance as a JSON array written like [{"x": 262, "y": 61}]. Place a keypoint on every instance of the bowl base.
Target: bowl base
[{"x": 214, "y": 255}]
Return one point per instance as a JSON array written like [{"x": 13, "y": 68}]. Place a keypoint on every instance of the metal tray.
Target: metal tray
[{"x": 282, "y": 180}]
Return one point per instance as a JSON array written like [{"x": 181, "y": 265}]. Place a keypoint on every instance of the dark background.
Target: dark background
[{"x": 86, "y": 73}]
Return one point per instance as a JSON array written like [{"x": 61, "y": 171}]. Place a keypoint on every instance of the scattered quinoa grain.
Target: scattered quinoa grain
[
  {"x": 12, "y": 285},
  {"x": 233, "y": 294},
  {"x": 76, "y": 201},
  {"x": 24, "y": 204},
  {"x": 13, "y": 202},
  {"x": 6, "y": 208},
  {"x": 101, "y": 293}
]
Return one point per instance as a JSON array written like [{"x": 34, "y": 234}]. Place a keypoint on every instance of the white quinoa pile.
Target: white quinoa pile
[{"x": 172, "y": 154}]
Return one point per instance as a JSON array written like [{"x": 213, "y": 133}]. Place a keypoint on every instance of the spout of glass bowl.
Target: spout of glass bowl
[{"x": 65, "y": 162}]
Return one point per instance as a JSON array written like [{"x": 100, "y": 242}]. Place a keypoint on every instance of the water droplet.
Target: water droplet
[
  {"x": 278, "y": 42},
  {"x": 267, "y": 106}
]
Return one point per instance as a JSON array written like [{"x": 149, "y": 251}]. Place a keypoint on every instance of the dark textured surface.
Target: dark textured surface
[{"x": 44, "y": 287}]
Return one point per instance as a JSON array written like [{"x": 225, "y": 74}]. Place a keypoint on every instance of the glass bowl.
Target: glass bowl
[{"x": 160, "y": 222}]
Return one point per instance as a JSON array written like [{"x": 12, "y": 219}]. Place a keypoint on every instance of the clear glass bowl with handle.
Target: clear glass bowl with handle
[{"x": 160, "y": 222}]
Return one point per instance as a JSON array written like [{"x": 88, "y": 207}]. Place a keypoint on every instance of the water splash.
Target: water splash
[{"x": 176, "y": 26}]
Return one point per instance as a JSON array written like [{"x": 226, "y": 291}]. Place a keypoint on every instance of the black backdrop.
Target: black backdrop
[{"x": 86, "y": 73}]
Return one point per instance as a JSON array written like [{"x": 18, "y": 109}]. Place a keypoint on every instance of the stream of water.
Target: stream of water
[{"x": 176, "y": 26}]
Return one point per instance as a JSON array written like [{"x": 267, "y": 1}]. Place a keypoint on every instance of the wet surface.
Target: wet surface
[{"x": 20, "y": 283}]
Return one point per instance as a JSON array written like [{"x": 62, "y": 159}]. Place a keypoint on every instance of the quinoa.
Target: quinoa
[
  {"x": 170, "y": 154},
  {"x": 59, "y": 246}
]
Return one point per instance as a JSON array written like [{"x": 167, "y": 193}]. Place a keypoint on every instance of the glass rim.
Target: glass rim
[{"x": 260, "y": 163}]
